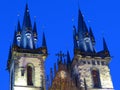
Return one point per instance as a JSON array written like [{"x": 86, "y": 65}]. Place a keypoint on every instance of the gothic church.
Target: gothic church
[{"x": 87, "y": 70}]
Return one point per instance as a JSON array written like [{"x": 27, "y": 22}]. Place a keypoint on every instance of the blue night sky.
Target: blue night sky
[{"x": 55, "y": 18}]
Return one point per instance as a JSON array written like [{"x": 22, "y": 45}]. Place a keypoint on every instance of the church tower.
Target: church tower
[
  {"x": 26, "y": 60},
  {"x": 91, "y": 68}
]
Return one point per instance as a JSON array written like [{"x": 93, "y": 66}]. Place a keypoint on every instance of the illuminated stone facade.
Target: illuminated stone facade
[
  {"x": 88, "y": 70},
  {"x": 83, "y": 66},
  {"x": 26, "y": 60}
]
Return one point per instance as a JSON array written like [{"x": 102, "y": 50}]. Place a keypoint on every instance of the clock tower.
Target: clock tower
[{"x": 26, "y": 61}]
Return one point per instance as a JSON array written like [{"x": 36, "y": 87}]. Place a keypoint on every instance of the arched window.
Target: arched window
[
  {"x": 29, "y": 75},
  {"x": 96, "y": 78}
]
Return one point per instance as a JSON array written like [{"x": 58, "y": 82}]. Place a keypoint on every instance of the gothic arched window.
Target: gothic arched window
[
  {"x": 29, "y": 75},
  {"x": 96, "y": 79}
]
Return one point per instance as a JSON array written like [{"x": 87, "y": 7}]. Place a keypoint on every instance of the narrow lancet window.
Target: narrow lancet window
[
  {"x": 29, "y": 75},
  {"x": 96, "y": 79}
]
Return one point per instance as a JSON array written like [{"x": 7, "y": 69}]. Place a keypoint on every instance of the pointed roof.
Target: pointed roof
[
  {"x": 80, "y": 20},
  {"x": 105, "y": 52},
  {"x": 18, "y": 27},
  {"x": 82, "y": 28},
  {"x": 105, "y": 45},
  {"x": 44, "y": 41},
  {"x": 26, "y": 20}
]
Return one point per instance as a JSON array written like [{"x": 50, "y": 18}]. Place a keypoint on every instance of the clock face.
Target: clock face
[{"x": 63, "y": 74}]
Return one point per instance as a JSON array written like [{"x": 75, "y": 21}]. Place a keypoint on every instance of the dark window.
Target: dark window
[
  {"x": 29, "y": 75},
  {"x": 96, "y": 79},
  {"x": 84, "y": 62},
  {"x": 22, "y": 71},
  {"x": 98, "y": 62},
  {"x": 88, "y": 62},
  {"x": 93, "y": 62},
  {"x": 81, "y": 62},
  {"x": 103, "y": 63}
]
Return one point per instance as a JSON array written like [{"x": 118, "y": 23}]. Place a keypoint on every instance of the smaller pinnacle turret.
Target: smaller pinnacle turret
[
  {"x": 18, "y": 27},
  {"x": 44, "y": 41},
  {"x": 105, "y": 48},
  {"x": 34, "y": 28},
  {"x": 68, "y": 61},
  {"x": 15, "y": 40},
  {"x": 68, "y": 58}
]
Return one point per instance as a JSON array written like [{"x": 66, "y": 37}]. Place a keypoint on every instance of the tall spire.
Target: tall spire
[
  {"x": 82, "y": 28},
  {"x": 44, "y": 41},
  {"x": 26, "y": 20},
  {"x": 80, "y": 20},
  {"x": 105, "y": 45}
]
